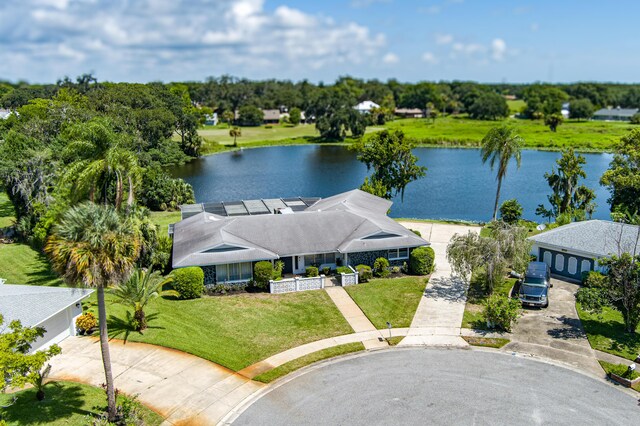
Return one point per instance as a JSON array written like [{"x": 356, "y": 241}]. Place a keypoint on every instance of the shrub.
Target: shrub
[
  {"x": 421, "y": 261},
  {"x": 188, "y": 282},
  {"x": 511, "y": 211},
  {"x": 380, "y": 267},
  {"x": 312, "y": 271},
  {"x": 635, "y": 119},
  {"x": 501, "y": 312},
  {"x": 415, "y": 231},
  {"x": 268, "y": 126},
  {"x": 225, "y": 289},
  {"x": 326, "y": 270},
  {"x": 277, "y": 270},
  {"x": 364, "y": 273},
  {"x": 395, "y": 269},
  {"x": 85, "y": 323},
  {"x": 263, "y": 272},
  {"x": 594, "y": 279},
  {"x": 343, "y": 270}
]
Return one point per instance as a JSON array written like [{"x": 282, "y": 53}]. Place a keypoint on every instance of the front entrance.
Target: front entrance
[
  {"x": 298, "y": 265},
  {"x": 566, "y": 264}
]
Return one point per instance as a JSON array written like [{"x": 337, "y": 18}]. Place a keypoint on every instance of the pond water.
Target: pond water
[{"x": 457, "y": 184}]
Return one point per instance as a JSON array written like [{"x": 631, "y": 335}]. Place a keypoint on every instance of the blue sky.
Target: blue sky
[{"x": 177, "y": 40}]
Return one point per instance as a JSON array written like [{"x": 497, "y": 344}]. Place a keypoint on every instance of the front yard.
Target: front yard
[
  {"x": 476, "y": 297},
  {"x": 234, "y": 331},
  {"x": 606, "y": 333},
  {"x": 394, "y": 300}
]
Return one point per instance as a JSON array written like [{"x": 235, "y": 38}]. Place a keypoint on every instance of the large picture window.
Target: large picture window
[
  {"x": 319, "y": 259},
  {"x": 396, "y": 254},
  {"x": 234, "y": 272}
]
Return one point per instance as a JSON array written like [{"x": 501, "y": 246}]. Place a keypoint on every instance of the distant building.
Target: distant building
[
  {"x": 565, "y": 110},
  {"x": 409, "y": 112},
  {"x": 510, "y": 97},
  {"x": 5, "y": 113},
  {"x": 271, "y": 116},
  {"x": 365, "y": 107},
  {"x": 211, "y": 119},
  {"x": 615, "y": 114}
]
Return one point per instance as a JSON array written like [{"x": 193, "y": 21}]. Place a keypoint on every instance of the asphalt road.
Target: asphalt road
[{"x": 442, "y": 386}]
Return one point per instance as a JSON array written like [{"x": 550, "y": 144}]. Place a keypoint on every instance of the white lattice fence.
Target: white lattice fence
[
  {"x": 290, "y": 285},
  {"x": 349, "y": 279}
]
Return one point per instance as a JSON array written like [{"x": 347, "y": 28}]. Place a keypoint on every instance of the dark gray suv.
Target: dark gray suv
[{"x": 534, "y": 287}]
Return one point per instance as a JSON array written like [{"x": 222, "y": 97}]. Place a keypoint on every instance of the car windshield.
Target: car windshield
[
  {"x": 532, "y": 289},
  {"x": 534, "y": 281}
]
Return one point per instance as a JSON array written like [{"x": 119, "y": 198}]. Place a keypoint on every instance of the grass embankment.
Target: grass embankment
[
  {"x": 486, "y": 342},
  {"x": 473, "y": 311},
  {"x": 620, "y": 370},
  {"x": 394, "y": 300},
  {"x": 296, "y": 364},
  {"x": 164, "y": 219},
  {"x": 605, "y": 332},
  {"x": 461, "y": 131},
  {"x": 65, "y": 403},
  {"x": 234, "y": 331}
]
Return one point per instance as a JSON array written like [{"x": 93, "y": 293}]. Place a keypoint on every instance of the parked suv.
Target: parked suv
[{"x": 534, "y": 287}]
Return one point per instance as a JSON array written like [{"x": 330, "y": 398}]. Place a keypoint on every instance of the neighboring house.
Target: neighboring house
[
  {"x": 572, "y": 249},
  {"x": 271, "y": 116},
  {"x": 53, "y": 308},
  {"x": 227, "y": 239},
  {"x": 409, "y": 112},
  {"x": 615, "y": 114},
  {"x": 5, "y": 113},
  {"x": 365, "y": 107},
  {"x": 211, "y": 119},
  {"x": 565, "y": 110}
]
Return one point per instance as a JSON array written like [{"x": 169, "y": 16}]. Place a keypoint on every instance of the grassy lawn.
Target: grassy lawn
[
  {"x": 297, "y": 364},
  {"x": 65, "y": 403},
  {"x": 486, "y": 342},
  {"x": 606, "y": 333},
  {"x": 460, "y": 131},
  {"x": 6, "y": 211},
  {"x": 258, "y": 133},
  {"x": 164, "y": 219},
  {"x": 620, "y": 370},
  {"x": 473, "y": 316},
  {"x": 235, "y": 331},
  {"x": 394, "y": 340},
  {"x": 516, "y": 106},
  {"x": 394, "y": 300}
]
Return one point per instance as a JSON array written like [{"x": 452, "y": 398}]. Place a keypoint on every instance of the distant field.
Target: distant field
[
  {"x": 585, "y": 135},
  {"x": 515, "y": 106},
  {"x": 259, "y": 133}
]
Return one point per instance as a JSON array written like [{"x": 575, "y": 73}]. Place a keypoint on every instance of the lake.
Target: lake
[{"x": 457, "y": 184}]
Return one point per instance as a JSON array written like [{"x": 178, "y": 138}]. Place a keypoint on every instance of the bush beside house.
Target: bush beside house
[
  {"x": 188, "y": 282},
  {"x": 381, "y": 267},
  {"x": 312, "y": 271},
  {"x": 262, "y": 273},
  {"x": 364, "y": 273},
  {"x": 421, "y": 261}
]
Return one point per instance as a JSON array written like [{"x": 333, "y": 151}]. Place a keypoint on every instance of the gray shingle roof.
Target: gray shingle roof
[
  {"x": 596, "y": 237},
  {"x": 31, "y": 305},
  {"x": 339, "y": 223},
  {"x": 616, "y": 112}
]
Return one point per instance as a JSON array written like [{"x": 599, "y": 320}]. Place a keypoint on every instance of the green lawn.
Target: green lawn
[
  {"x": 258, "y": 133},
  {"x": 516, "y": 106},
  {"x": 473, "y": 316},
  {"x": 6, "y": 211},
  {"x": 297, "y": 364},
  {"x": 620, "y": 370},
  {"x": 486, "y": 342},
  {"x": 164, "y": 219},
  {"x": 65, "y": 403},
  {"x": 394, "y": 300},
  {"x": 235, "y": 331},
  {"x": 606, "y": 333},
  {"x": 20, "y": 264},
  {"x": 460, "y": 131}
]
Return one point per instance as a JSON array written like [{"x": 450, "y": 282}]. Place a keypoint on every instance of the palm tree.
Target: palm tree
[
  {"x": 93, "y": 247},
  {"x": 138, "y": 290},
  {"x": 235, "y": 133},
  {"x": 499, "y": 146}
]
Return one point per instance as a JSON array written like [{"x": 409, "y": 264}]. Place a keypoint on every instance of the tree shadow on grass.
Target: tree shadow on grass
[
  {"x": 620, "y": 342},
  {"x": 43, "y": 274},
  {"x": 121, "y": 328},
  {"x": 61, "y": 402}
]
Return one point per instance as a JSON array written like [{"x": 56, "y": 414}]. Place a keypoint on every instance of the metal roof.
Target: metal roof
[{"x": 616, "y": 112}]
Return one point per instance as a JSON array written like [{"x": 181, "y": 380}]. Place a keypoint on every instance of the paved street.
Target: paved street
[{"x": 442, "y": 386}]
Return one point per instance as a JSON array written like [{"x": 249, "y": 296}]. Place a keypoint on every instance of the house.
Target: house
[
  {"x": 575, "y": 248},
  {"x": 565, "y": 110},
  {"x": 53, "y": 308},
  {"x": 5, "y": 113},
  {"x": 227, "y": 239},
  {"x": 365, "y": 107},
  {"x": 271, "y": 116},
  {"x": 211, "y": 119},
  {"x": 409, "y": 112},
  {"x": 615, "y": 114}
]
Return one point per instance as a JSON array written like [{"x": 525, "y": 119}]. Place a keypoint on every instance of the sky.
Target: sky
[{"x": 513, "y": 41}]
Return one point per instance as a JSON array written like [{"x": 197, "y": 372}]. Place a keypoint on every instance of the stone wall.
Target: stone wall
[
  {"x": 369, "y": 257},
  {"x": 209, "y": 275}
]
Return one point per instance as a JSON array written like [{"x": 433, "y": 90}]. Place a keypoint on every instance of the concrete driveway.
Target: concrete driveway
[
  {"x": 555, "y": 332},
  {"x": 441, "y": 387}
]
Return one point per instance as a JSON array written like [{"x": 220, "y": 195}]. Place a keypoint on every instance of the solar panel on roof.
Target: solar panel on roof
[
  {"x": 191, "y": 207},
  {"x": 235, "y": 209},
  {"x": 256, "y": 207},
  {"x": 309, "y": 201},
  {"x": 294, "y": 203},
  {"x": 186, "y": 215},
  {"x": 274, "y": 204}
]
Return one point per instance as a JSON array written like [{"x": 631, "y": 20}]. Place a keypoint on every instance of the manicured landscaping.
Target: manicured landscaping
[
  {"x": 20, "y": 264},
  {"x": 605, "y": 332},
  {"x": 65, "y": 403},
  {"x": 486, "y": 342},
  {"x": 620, "y": 370},
  {"x": 296, "y": 364},
  {"x": 394, "y": 300},
  {"x": 473, "y": 311},
  {"x": 6, "y": 211},
  {"x": 461, "y": 131},
  {"x": 234, "y": 331},
  {"x": 164, "y": 219},
  {"x": 394, "y": 340}
]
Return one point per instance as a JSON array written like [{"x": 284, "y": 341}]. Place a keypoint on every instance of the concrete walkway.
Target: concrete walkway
[
  {"x": 354, "y": 316},
  {"x": 183, "y": 388},
  {"x": 439, "y": 315}
]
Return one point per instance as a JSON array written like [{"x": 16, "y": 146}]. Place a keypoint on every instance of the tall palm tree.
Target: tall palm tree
[
  {"x": 138, "y": 290},
  {"x": 499, "y": 146},
  {"x": 93, "y": 246}
]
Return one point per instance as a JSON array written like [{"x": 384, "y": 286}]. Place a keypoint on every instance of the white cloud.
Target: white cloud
[
  {"x": 174, "y": 39},
  {"x": 390, "y": 58},
  {"x": 429, "y": 58},
  {"x": 444, "y": 39},
  {"x": 498, "y": 49}
]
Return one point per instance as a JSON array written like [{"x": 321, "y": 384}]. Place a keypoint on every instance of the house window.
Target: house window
[
  {"x": 319, "y": 259},
  {"x": 396, "y": 254},
  {"x": 234, "y": 272}
]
